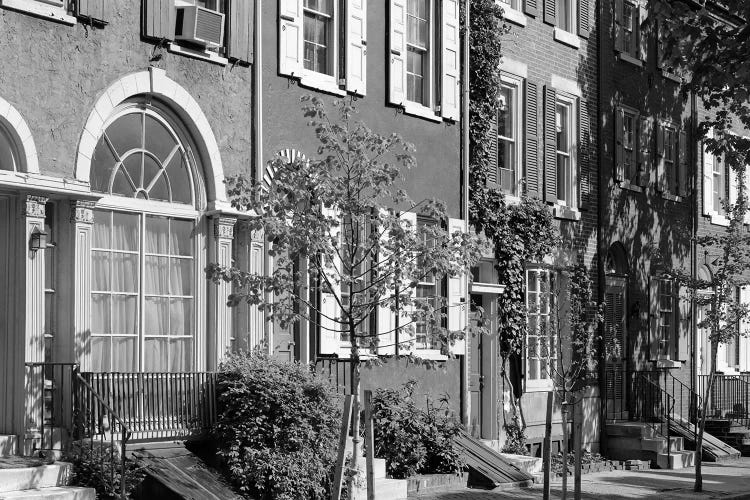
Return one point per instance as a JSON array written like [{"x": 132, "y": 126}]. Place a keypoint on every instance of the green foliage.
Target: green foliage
[
  {"x": 99, "y": 466},
  {"x": 412, "y": 440},
  {"x": 515, "y": 439},
  {"x": 277, "y": 427}
]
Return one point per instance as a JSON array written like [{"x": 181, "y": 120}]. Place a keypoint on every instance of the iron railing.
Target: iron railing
[
  {"x": 159, "y": 405},
  {"x": 49, "y": 393},
  {"x": 337, "y": 371},
  {"x": 729, "y": 398}
]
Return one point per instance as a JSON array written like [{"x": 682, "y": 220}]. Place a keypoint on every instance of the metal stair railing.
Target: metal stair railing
[
  {"x": 652, "y": 405},
  {"x": 730, "y": 397}
]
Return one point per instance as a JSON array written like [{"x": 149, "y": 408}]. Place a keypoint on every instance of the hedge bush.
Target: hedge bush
[
  {"x": 98, "y": 466},
  {"x": 277, "y": 427}
]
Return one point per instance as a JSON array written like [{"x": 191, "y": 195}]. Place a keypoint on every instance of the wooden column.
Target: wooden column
[
  {"x": 82, "y": 222},
  {"x": 219, "y": 314}
]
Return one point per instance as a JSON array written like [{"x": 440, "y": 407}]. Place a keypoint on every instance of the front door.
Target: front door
[
  {"x": 615, "y": 338},
  {"x": 483, "y": 370}
]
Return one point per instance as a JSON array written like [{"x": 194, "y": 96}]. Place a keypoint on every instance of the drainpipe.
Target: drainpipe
[
  {"x": 693, "y": 244},
  {"x": 464, "y": 386},
  {"x": 602, "y": 198}
]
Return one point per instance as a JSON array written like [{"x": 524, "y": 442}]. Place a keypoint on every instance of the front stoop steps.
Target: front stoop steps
[
  {"x": 385, "y": 487},
  {"x": 634, "y": 440},
  {"x": 45, "y": 482},
  {"x": 731, "y": 432}
]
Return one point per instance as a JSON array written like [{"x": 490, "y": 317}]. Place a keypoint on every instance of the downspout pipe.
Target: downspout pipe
[
  {"x": 693, "y": 244},
  {"x": 464, "y": 385}
]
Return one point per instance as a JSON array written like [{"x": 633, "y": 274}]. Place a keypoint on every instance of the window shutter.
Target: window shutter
[
  {"x": 492, "y": 166},
  {"x": 290, "y": 37},
  {"x": 659, "y": 45},
  {"x": 406, "y": 333},
  {"x": 533, "y": 185},
  {"x": 550, "y": 145},
  {"x": 683, "y": 182},
  {"x": 585, "y": 198},
  {"x": 732, "y": 184},
  {"x": 619, "y": 144},
  {"x": 330, "y": 327},
  {"x": 397, "y": 43},
  {"x": 683, "y": 322},
  {"x": 661, "y": 176},
  {"x": 531, "y": 8},
  {"x": 449, "y": 101},
  {"x": 159, "y": 19},
  {"x": 583, "y": 18},
  {"x": 744, "y": 330},
  {"x": 385, "y": 316},
  {"x": 643, "y": 32},
  {"x": 644, "y": 150},
  {"x": 356, "y": 46},
  {"x": 549, "y": 12},
  {"x": 241, "y": 25},
  {"x": 617, "y": 27},
  {"x": 457, "y": 297},
  {"x": 653, "y": 300},
  {"x": 95, "y": 11},
  {"x": 708, "y": 179}
]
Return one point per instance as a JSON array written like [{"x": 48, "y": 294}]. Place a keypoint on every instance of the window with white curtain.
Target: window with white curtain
[{"x": 143, "y": 285}]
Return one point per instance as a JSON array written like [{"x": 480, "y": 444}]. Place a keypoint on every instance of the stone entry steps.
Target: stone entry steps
[
  {"x": 46, "y": 482},
  {"x": 385, "y": 487},
  {"x": 731, "y": 432},
  {"x": 639, "y": 441}
]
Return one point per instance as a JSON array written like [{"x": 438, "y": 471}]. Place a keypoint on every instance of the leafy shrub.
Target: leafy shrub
[
  {"x": 100, "y": 467},
  {"x": 277, "y": 427},
  {"x": 515, "y": 439},
  {"x": 412, "y": 440}
]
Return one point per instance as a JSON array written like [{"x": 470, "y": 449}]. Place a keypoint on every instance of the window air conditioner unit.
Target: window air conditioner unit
[{"x": 199, "y": 25}]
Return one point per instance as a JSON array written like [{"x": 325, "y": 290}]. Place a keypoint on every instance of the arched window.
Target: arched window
[
  {"x": 9, "y": 157},
  {"x": 144, "y": 273}
]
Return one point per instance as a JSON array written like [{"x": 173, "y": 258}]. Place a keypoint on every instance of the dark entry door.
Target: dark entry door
[
  {"x": 475, "y": 372},
  {"x": 483, "y": 371},
  {"x": 615, "y": 337}
]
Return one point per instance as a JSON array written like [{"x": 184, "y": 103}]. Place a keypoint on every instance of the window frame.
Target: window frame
[
  {"x": 426, "y": 108},
  {"x": 571, "y": 180},
  {"x": 671, "y": 175},
  {"x": 55, "y": 10},
  {"x": 515, "y": 83},
  {"x": 667, "y": 343},
  {"x": 630, "y": 176},
  {"x": 570, "y": 10},
  {"x": 634, "y": 30},
  {"x": 332, "y": 43},
  {"x": 540, "y": 384},
  {"x": 427, "y": 351}
]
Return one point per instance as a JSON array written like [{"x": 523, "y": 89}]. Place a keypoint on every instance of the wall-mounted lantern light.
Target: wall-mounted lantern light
[{"x": 38, "y": 240}]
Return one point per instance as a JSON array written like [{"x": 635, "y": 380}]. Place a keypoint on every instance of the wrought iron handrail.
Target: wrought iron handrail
[
  {"x": 694, "y": 401},
  {"x": 337, "y": 371},
  {"x": 730, "y": 396},
  {"x": 47, "y": 400},
  {"x": 657, "y": 406}
]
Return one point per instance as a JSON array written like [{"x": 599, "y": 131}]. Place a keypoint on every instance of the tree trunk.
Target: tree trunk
[
  {"x": 355, "y": 388},
  {"x": 546, "y": 445},
  {"x": 578, "y": 444},
  {"x": 564, "y": 493},
  {"x": 699, "y": 441}
]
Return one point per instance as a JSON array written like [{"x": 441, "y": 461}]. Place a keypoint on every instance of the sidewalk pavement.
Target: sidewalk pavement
[{"x": 726, "y": 481}]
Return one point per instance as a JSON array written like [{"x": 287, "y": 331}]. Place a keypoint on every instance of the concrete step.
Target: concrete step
[
  {"x": 8, "y": 445},
  {"x": 27, "y": 478},
  {"x": 385, "y": 489},
  {"x": 659, "y": 444},
  {"x": 54, "y": 493},
  {"x": 675, "y": 460}
]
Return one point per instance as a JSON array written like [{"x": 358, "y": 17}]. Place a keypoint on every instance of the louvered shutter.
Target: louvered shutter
[
  {"x": 585, "y": 188},
  {"x": 654, "y": 335},
  {"x": 644, "y": 151},
  {"x": 159, "y": 19},
  {"x": 330, "y": 325},
  {"x": 683, "y": 323},
  {"x": 457, "y": 310},
  {"x": 241, "y": 25},
  {"x": 449, "y": 100},
  {"x": 356, "y": 46},
  {"x": 95, "y": 11},
  {"x": 290, "y": 38},
  {"x": 386, "y": 318},
  {"x": 550, "y": 145},
  {"x": 643, "y": 32},
  {"x": 660, "y": 45},
  {"x": 407, "y": 331},
  {"x": 732, "y": 183},
  {"x": 531, "y": 8},
  {"x": 683, "y": 182},
  {"x": 533, "y": 184},
  {"x": 617, "y": 26},
  {"x": 584, "y": 23},
  {"x": 549, "y": 12},
  {"x": 492, "y": 166},
  {"x": 661, "y": 175},
  {"x": 708, "y": 178},
  {"x": 619, "y": 144},
  {"x": 744, "y": 331},
  {"x": 397, "y": 45}
]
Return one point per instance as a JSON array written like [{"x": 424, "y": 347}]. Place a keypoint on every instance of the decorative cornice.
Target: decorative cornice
[
  {"x": 224, "y": 227},
  {"x": 81, "y": 212},
  {"x": 34, "y": 206}
]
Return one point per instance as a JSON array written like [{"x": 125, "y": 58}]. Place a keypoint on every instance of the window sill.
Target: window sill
[
  {"x": 539, "y": 386},
  {"x": 625, "y": 57},
  {"x": 564, "y": 212},
  {"x": 431, "y": 354},
  {"x": 324, "y": 83},
  {"x": 414, "y": 109},
  {"x": 630, "y": 187},
  {"x": 511, "y": 199},
  {"x": 203, "y": 55},
  {"x": 671, "y": 197},
  {"x": 719, "y": 220},
  {"x": 670, "y": 76},
  {"x": 50, "y": 12},
  {"x": 514, "y": 16},
  {"x": 488, "y": 288},
  {"x": 667, "y": 363},
  {"x": 567, "y": 38}
]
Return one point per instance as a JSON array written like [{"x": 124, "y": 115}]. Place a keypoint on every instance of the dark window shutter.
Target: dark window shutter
[
  {"x": 549, "y": 12},
  {"x": 653, "y": 309},
  {"x": 644, "y": 151},
  {"x": 643, "y": 32},
  {"x": 531, "y": 7},
  {"x": 95, "y": 11},
  {"x": 683, "y": 184},
  {"x": 491, "y": 170},
  {"x": 533, "y": 184},
  {"x": 661, "y": 177},
  {"x": 159, "y": 19},
  {"x": 240, "y": 43},
  {"x": 619, "y": 146},
  {"x": 617, "y": 25},
  {"x": 585, "y": 198},
  {"x": 550, "y": 145},
  {"x": 583, "y": 18}
]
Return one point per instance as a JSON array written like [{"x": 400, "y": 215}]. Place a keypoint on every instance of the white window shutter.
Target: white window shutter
[
  {"x": 397, "y": 47},
  {"x": 385, "y": 316},
  {"x": 356, "y": 46},
  {"x": 330, "y": 328},
  {"x": 708, "y": 179},
  {"x": 290, "y": 37},
  {"x": 744, "y": 346},
  {"x": 457, "y": 303},
  {"x": 732, "y": 186},
  {"x": 407, "y": 329},
  {"x": 449, "y": 100}
]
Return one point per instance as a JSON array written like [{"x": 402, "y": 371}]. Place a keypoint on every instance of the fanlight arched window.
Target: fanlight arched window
[
  {"x": 140, "y": 155},
  {"x": 9, "y": 157}
]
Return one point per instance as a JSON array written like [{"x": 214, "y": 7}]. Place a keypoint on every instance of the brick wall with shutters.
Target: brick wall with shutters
[{"x": 54, "y": 78}]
